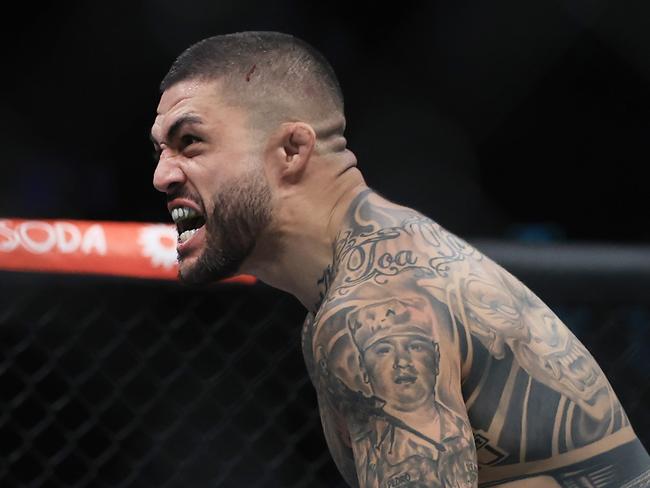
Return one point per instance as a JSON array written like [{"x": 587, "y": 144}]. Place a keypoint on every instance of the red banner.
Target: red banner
[{"x": 75, "y": 246}]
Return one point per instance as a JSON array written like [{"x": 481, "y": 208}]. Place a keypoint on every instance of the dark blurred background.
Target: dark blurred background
[
  {"x": 511, "y": 119},
  {"x": 503, "y": 120}
]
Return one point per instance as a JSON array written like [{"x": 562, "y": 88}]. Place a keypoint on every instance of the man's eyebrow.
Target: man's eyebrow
[{"x": 177, "y": 126}]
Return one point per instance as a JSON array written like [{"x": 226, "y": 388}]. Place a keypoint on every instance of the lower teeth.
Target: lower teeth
[{"x": 186, "y": 235}]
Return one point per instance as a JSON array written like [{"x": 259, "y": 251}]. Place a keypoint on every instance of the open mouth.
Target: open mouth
[
  {"x": 188, "y": 221},
  {"x": 405, "y": 379}
]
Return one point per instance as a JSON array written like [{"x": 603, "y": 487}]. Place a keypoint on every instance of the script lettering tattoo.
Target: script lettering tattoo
[
  {"x": 382, "y": 252},
  {"x": 418, "y": 336}
]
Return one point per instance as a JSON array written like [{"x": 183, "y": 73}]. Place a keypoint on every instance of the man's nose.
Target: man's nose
[
  {"x": 402, "y": 358},
  {"x": 168, "y": 173}
]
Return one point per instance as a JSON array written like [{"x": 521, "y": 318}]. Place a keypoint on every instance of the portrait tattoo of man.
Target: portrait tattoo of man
[{"x": 400, "y": 363}]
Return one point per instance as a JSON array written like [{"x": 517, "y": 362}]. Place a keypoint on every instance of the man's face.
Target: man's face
[
  {"x": 402, "y": 371},
  {"x": 211, "y": 170}
]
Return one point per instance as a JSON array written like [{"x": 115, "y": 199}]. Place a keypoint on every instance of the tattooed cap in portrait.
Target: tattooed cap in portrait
[
  {"x": 400, "y": 360},
  {"x": 392, "y": 317},
  {"x": 397, "y": 354},
  {"x": 369, "y": 317}
]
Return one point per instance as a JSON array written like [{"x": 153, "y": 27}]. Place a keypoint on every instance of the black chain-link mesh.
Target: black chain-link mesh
[{"x": 128, "y": 383}]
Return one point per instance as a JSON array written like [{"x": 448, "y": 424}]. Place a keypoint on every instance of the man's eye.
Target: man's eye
[
  {"x": 383, "y": 350},
  {"x": 188, "y": 140},
  {"x": 418, "y": 346}
]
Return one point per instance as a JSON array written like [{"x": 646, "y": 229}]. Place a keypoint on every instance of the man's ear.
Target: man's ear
[{"x": 294, "y": 147}]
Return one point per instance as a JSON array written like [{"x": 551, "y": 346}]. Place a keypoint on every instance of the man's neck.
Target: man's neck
[{"x": 299, "y": 251}]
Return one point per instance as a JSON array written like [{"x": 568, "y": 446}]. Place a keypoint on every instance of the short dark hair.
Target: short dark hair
[{"x": 260, "y": 64}]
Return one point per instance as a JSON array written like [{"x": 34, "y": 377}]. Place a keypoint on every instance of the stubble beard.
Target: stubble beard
[{"x": 241, "y": 212}]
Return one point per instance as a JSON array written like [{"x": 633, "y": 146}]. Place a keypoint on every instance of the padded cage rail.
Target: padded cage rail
[{"x": 131, "y": 249}]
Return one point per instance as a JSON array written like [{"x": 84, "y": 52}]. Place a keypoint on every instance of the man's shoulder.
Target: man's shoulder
[
  {"x": 382, "y": 243},
  {"x": 370, "y": 213}
]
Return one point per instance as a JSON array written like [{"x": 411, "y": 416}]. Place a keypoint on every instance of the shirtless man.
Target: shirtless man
[{"x": 434, "y": 366}]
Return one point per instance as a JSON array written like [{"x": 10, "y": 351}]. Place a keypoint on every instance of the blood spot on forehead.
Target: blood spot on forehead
[{"x": 250, "y": 72}]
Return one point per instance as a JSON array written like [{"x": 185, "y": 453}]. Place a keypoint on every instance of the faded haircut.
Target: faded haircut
[{"x": 278, "y": 76}]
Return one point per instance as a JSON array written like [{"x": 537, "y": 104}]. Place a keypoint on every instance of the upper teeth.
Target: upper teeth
[{"x": 180, "y": 213}]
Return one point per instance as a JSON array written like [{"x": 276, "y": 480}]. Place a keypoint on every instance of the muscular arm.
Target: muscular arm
[
  {"x": 388, "y": 375},
  {"x": 333, "y": 422},
  {"x": 411, "y": 314},
  {"x": 392, "y": 392}
]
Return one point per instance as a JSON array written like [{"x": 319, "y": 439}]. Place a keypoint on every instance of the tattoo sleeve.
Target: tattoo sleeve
[
  {"x": 385, "y": 363},
  {"x": 431, "y": 361}
]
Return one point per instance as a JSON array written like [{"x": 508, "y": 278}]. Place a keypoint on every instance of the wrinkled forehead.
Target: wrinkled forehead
[{"x": 192, "y": 96}]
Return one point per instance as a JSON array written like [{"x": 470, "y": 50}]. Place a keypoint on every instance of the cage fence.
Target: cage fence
[{"x": 124, "y": 382}]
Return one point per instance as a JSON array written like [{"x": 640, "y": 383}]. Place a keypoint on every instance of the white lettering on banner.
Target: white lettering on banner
[
  {"x": 68, "y": 237},
  {"x": 39, "y": 237},
  {"x": 94, "y": 238},
  {"x": 33, "y": 243},
  {"x": 158, "y": 243},
  {"x": 8, "y": 239}
]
